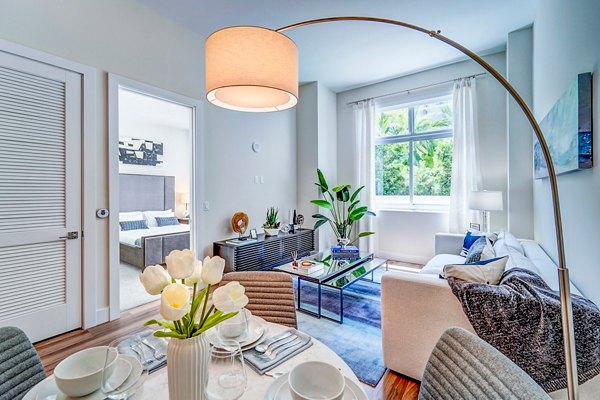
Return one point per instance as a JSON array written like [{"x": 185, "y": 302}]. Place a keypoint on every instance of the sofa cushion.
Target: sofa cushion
[
  {"x": 507, "y": 239},
  {"x": 435, "y": 266},
  {"x": 487, "y": 271}
]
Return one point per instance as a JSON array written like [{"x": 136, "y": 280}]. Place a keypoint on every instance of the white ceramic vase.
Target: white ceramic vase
[{"x": 187, "y": 368}]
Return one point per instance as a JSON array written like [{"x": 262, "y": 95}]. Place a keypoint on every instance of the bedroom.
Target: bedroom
[{"x": 154, "y": 180}]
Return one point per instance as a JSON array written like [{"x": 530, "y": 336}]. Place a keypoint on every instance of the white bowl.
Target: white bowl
[
  {"x": 314, "y": 380},
  {"x": 271, "y": 231},
  {"x": 81, "y": 373}
]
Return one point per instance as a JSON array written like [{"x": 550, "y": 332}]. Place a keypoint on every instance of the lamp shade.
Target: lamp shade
[
  {"x": 486, "y": 200},
  {"x": 184, "y": 198},
  {"x": 251, "y": 69}
]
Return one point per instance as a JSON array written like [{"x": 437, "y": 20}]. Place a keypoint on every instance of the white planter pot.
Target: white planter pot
[
  {"x": 271, "y": 231},
  {"x": 187, "y": 368}
]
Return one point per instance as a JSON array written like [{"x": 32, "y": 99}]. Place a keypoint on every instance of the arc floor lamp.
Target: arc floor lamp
[{"x": 255, "y": 69}]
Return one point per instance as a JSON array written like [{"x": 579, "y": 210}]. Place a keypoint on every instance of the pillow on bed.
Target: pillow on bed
[
  {"x": 165, "y": 221},
  {"x": 150, "y": 216},
  {"x": 131, "y": 216},
  {"x": 133, "y": 225}
]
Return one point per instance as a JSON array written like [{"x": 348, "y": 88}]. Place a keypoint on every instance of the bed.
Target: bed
[{"x": 143, "y": 247}]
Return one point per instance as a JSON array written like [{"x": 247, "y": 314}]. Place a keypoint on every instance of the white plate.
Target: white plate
[
  {"x": 256, "y": 329},
  {"x": 280, "y": 390},
  {"x": 48, "y": 390}
]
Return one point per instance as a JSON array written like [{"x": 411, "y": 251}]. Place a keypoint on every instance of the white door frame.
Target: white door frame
[
  {"x": 88, "y": 162},
  {"x": 196, "y": 174}
]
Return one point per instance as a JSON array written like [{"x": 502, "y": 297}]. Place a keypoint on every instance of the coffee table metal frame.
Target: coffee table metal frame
[{"x": 335, "y": 281}]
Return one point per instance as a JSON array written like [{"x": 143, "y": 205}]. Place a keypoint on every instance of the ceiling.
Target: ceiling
[{"x": 345, "y": 55}]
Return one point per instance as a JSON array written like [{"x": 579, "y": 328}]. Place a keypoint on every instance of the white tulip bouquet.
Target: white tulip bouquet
[{"x": 185, "y": 289}]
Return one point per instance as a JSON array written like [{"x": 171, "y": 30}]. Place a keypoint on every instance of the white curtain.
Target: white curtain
[
  {"x": 466, "y": 176},
  {"x": 364, "y": 172}
]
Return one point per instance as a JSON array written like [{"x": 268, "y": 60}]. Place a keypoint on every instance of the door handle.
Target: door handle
[{"x": 70, "y": 236}]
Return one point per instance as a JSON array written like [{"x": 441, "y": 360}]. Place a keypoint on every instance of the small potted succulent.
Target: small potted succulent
[{"x": 271, "y": 225}]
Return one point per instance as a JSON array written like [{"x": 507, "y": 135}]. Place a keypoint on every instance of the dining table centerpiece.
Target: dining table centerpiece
[{"x": 189, "y": 309}]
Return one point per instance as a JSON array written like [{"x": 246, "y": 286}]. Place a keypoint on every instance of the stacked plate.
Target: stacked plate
[
  {"x": 257, "y": 330},
  {"x": 280, "y": 390}
]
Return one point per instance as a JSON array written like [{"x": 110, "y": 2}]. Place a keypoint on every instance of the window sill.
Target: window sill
[{"x": 429, "y": 210}]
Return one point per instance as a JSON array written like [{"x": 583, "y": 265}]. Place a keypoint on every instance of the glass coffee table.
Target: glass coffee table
[{"x": 337, "y": 274}]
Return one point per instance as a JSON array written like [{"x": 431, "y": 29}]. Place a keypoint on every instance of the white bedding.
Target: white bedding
[{"x": 133, "y": 237}]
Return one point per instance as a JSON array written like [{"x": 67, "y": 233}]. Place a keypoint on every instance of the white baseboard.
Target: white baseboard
[
  {"x": 410, "y": 258},
  {"x": 102, "y": 315}
]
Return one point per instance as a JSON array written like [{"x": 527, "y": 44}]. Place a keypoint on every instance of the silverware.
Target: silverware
[
  {"x": 275, "y": 375},
  {"x": 157, "y": 353},
  {"x": 279, "y": 344},
  {"x": 293, "y": 343},
  {"x": 262, "y": 346},
  {"x": 137, "y": 349}
]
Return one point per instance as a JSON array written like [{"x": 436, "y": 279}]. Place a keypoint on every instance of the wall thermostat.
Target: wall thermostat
[
  {"x": 102, "y": 213},
  {"x": 256, "y": 147}
]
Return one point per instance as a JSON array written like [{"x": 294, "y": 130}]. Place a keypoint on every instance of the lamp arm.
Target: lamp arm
[{"x": 566, "y": 305}]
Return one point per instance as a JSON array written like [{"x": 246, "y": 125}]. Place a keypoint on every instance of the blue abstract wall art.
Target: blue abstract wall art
[{"x": 567, "y": 129}]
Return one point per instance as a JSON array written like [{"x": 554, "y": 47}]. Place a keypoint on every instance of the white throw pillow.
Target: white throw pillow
[
  {"x": 488, "y": 271},
  {"x": 151, "y": 216},
  {"x": 131, "y": 216}
]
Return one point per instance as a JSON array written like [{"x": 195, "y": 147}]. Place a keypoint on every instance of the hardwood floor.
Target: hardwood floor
[{"x": 53, "y": 350}]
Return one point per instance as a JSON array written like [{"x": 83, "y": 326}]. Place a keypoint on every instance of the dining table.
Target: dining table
[{"x": 156, "y": 387}]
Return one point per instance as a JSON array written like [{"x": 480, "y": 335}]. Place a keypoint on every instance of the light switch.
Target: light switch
[
  {"x": 262, "y": 179},
  {"x": 206, "y": 205},
  {"x": 256, "y": 179}
]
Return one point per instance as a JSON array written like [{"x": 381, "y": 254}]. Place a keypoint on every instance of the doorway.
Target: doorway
[{"x": 154, "y": 183}]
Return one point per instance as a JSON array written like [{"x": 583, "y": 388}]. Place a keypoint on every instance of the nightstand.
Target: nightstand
[{"x": 184, "y": 221}]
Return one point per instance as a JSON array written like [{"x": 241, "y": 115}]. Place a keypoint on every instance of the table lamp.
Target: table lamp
[
  {"x": 486, "y": 201},
  {"x": 185, "y": 199}
]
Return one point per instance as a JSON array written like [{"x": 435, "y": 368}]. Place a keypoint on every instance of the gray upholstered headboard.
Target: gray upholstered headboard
[{"x": 146, "y": 192}]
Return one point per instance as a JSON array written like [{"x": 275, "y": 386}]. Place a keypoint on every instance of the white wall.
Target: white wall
[
  {"x": 316, "y": 125},
  {"x": 519, "y": 195},
  {"x": 131, "y": 40},
  {"x": 408, "y": 235},
  {"x": 561, "y": 51},
  {"x": 231, "y": 166}
]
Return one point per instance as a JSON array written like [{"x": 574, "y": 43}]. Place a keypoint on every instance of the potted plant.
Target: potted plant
[
  {"x": 184, "y": 291},
  {"x": 271, "y": 225},
  {"x": 345, "y": 208}
]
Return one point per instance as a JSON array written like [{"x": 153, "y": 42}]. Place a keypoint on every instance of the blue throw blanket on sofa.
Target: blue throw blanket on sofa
[{"x": 521, "y": 318}]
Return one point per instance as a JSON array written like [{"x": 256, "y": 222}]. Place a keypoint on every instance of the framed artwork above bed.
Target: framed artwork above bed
[{"x": 140, "y": 152}]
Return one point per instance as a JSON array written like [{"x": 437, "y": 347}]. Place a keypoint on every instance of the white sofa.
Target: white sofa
[{"x": 418, "y": 307}]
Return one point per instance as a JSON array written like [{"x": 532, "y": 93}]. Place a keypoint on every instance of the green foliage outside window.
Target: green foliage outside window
[{"x": 432, "y": 158}]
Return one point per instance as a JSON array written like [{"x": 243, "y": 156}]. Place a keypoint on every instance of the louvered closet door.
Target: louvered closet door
[{"x": 40, "y": 197}]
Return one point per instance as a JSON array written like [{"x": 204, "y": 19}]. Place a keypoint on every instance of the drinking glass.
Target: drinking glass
[
  {"x": 236, "y": 327},
  {"x": 125, "y": 377},
  {"x": 227, "y": 373}
]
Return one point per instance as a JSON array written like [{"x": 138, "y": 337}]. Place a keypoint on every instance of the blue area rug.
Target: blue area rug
[{"x": 358, "y": 339}]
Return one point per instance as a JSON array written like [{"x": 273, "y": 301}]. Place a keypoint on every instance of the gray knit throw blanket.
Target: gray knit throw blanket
[{"x": 521, "y": 318}]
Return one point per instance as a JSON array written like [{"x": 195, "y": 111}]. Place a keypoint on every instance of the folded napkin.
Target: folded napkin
[
  {"x": 125, "y": 347},
  {"x": 261, "y": 363}
]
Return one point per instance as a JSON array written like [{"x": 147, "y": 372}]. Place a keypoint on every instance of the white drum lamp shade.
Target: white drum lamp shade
[
  {"x": 251, "y": 69},
  {"x": 486, "y": 200},
  {"x": 184, "y": 198}
]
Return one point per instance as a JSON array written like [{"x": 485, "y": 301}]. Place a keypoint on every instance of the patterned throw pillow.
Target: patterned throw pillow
[
  {"x": 165, "y": 221},
  {"x": 133, "y": 225},
  {"x": 474, "y": 253},
  {"x": 488, "y": 271},
  {"x": 470, "y": 238}
]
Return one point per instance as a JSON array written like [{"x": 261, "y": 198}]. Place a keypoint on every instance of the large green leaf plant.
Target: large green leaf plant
[{"x": 345, "y": 208}]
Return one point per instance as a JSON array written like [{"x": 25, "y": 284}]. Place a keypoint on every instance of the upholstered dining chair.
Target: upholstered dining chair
[
  {"x": 463, "y": 366},
  {"x": 20, "y": 365},
  {"x": 270, "y": 294}
]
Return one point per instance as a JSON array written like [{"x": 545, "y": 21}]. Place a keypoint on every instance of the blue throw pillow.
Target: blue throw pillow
[
  {"x": 470, "y": 238},
  {"x": 132, "y": 225},
  {"x": 474, "y": 253},
  {"x": 165, "y": 221}
]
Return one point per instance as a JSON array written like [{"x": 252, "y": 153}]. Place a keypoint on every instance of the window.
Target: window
[{"x": 413, "y": 154}]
